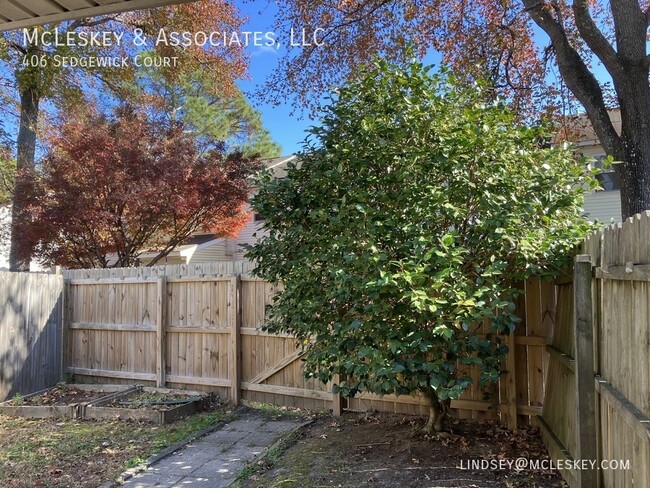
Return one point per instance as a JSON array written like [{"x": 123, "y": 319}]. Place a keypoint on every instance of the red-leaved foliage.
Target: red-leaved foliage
[{"x": 112, "y": 188}]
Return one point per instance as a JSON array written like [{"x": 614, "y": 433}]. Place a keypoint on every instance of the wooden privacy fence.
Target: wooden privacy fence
[
  {"x": 579, "y": 362},
  {"x": 202, "y": 331},
  {"x": 188, "y": 331},
  {"x": 597, "y": 402},
  {"x": 30, "y": 332},
  {"x": 195, "y": 269}
]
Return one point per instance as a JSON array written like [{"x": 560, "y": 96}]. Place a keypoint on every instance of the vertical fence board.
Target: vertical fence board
[
  {"x": 585, "y": 390},
  {"x": 31, "y": 331},
  {"x": 511, "y": 365},
  {"x": 161, "y": 335},
  {"x": 235, "y": 341}
]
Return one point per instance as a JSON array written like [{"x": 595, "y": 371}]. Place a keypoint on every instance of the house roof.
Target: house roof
[
  {"x": 199, "y": 239},
  {"x": 581, "y": 132},
  {"x": 279, "y": 165},
  {"x": 17, "y": 14}
]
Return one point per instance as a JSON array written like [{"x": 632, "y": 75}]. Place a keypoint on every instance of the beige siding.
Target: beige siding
[
  {"x": 246, "y": 237},
  {"x": 603, "y": 206},
  {"x": 214, "y": 252},
  {"x": 246, "y": 234},
  {"x": 163, "y": 261}
]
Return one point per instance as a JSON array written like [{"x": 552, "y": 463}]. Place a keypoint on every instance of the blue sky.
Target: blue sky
[{"x": 286, "y": 129}]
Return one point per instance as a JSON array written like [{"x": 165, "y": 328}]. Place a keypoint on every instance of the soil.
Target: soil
[
  {"x": 59, "y": 396},
  {"x": 71, "y": 453},
  {"x": 391, "y": 451},
  {"x": 153, "y": 401}
]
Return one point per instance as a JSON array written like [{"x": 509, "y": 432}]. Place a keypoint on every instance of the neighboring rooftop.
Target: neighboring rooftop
[
  {"x": 581, "y": 133},
  {"x": 17, "y": 14},
  {"x": 279, "y": 165}
]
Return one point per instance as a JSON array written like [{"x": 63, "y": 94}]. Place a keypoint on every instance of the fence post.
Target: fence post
[
  {"x": 161, "y": 335},
  {"x": 511, "y": 385},
  {"x": 338, "y": 402},
  {"x": 586, "y": 438},
  {"x": 235, "y": 339},
  {"x": 65, "y": 335}
]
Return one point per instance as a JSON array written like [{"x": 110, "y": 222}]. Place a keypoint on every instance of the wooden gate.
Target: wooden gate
[{"x": 270, "y": 363}]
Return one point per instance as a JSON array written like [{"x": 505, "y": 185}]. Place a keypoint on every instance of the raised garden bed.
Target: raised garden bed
[
  {"x": 157, "y": 405},
  {"x": 62, "y": 400}
]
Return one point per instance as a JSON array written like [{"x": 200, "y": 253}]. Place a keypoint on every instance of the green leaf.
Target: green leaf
[{"x": 439, "y": 202}]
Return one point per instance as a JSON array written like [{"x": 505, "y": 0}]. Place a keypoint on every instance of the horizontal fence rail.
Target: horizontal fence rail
[
  {"x": 201, "y": 330},
  {"x": 597, "y": 402}
]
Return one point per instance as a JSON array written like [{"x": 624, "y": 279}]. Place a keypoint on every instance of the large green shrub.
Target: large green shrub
[{"x": 415, "y": 211}]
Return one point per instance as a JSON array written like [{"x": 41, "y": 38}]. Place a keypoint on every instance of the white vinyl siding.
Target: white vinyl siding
[
  {"x": 5, "y": 242},
  {"x": 163, "y": 261},
  {"x": 603, "y": 206},
  {"x": 213, "y": 252},
  {"x": 246, "y": 237}
]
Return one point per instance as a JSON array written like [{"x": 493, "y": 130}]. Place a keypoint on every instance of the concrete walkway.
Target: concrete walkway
[{"x": 215, "y": 460}]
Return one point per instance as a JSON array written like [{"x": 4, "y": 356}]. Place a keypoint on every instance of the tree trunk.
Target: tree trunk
[
  {"x": 634, "y": 174},
  {"x": 436, "y": 414},
  {"x": 21, "y": 247},
  {"x": 634, "y": 170},
  {"x": 628, "y": 66}
]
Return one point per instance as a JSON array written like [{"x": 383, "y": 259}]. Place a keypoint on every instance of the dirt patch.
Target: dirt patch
[
  {"x": 59, "y": 396},
  {"x": 154, "y": 401},
  {"x": 391, "y": 451}
]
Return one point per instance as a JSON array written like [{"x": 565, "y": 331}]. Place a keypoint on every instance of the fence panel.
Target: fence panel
[
  {"x": 111, "y": 328},
  {"x": 202, "y": 331},
  {"x": 197, "y": 269},
  {"x": 620, "y": 293},
  {"x": 622, "y": 362},
  {"x": 31, "y": 307}
]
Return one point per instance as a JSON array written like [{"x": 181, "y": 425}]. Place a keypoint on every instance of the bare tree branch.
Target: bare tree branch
[
  {"x": 579, "y": 79},
  {"x": 595, "y": 39}
]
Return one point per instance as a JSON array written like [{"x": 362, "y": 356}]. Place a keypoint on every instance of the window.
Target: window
[
  {"x": 608, "y": 179},
  {"x": 259, "y": 218}
]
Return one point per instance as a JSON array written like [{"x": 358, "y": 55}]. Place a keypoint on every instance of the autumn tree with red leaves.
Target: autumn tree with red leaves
[
  {"x": 113, "y": 187},
  {"x": 29, "y": 77},
  {"x": 500, "y": 41}
]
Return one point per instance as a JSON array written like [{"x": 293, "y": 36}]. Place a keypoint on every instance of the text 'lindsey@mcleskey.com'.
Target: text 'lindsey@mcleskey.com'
[{"x": 524, "y": 464}]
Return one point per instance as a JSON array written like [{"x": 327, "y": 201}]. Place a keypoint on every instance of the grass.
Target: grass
[
  {"x": 272, "y": 411},
  {"x": 56, "y": 453},
  {"x": 268, "y": 460},
  {"x": 17, "y": 399}
]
